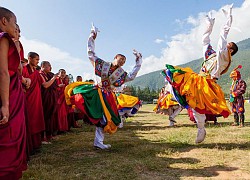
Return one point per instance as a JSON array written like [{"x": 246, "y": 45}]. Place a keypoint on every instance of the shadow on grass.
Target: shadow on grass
[
  {"x": 131, "y": 155},
  {"x": 158, "y": 166}
]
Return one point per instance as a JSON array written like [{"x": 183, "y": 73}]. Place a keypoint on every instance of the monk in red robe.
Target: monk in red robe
[
  {"x": 34, "y": 101},
  {"x": 62, "y": 109},
  {"x": 12, "y": 118},
  {"x": 49, "y": 98}
]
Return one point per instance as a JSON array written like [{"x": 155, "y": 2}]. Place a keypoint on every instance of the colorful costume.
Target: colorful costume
[
  {"x": 200, "y": 91},
  {"x": 98, "y": 102},
  {"x": 127, "y": 105},
  {"x": 238, "y": 88},
  {"x": 168, "y": 105}
]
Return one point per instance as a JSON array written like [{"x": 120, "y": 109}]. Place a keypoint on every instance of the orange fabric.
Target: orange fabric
[{"x": 201, "y": 93}]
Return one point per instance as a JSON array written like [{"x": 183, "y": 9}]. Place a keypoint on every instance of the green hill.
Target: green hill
[{"x": 155, "y": 80}]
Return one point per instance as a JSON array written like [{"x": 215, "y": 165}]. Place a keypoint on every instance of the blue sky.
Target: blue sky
[{"x": 163, "y": 31}]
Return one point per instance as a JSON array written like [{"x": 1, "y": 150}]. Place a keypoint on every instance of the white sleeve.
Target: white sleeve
[
  {"x": 91, "y": 48},
  {"x": 206, "y": 35},
  {"x": 131, "y": 75},
  {"x": 222, "y": 43}
]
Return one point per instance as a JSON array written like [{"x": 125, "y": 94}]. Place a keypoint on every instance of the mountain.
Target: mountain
[{"x": 155, "y": 80}]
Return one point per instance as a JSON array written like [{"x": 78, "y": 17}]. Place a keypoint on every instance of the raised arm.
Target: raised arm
[
  {"x": 91, "y": 45},
  {"x": 210, "y": 24},
  {"x": 222, "y": 43},
  {"x": 50, "y": 82},
  {"x": 206, "y": 36},
  {"x": 138, "y": 61}
]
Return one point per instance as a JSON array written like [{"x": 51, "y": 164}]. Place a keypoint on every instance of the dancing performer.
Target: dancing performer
[
  {"x": 168, "y": 105},
  {"x": 200, "y": 91},
  {"x": 238, "y": 88},
  {"x": 98, "y": 102},
  {"x": 127, "y": 105}
]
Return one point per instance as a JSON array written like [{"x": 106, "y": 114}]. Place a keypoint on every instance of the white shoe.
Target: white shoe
[
  {"x": 123, "y": 118},
  {"x": 201, "y": 134},
  {"x": 171, "y": 123},
  {"x": 46, "y": 142},
  {"x": 120, "y": 125},
  {"x": 102, "y": 146}
]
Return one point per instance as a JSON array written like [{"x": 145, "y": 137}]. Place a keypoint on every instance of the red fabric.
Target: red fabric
[
  {"x": 13, "y": 134},
  {"x": 34, "y": 103},
  {"x": 111, "y": 99},
  {"x": 190, "y": 114},
  {"x": 36, "y": 141},
  {"x": 62, "y": 112},
  {"x": 79, "y": 102},
  {"x": 49, "y": 101}
]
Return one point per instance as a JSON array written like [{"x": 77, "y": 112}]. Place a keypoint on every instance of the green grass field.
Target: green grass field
[{"x": 146, "y": 148}]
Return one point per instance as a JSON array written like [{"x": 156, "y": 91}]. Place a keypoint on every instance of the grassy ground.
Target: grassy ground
[{"x": 146, "y": 148}]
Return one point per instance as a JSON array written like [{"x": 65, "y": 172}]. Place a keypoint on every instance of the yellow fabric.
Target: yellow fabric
[
  {"x": 69, "y": 88},
  {"x": 125, "y": 100},
  {"x": 165, "y": 102},
  {"x": 110, "y": 127},
  {"x": 201, "y": 92}
]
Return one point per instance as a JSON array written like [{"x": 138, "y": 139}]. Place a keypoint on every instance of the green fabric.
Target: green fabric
[
  {"x": 173, "y": 70},
  {"x": 93, "y": 104},
  {"x": 92, "y": 100},
  {"x": 181, "y": 99}
]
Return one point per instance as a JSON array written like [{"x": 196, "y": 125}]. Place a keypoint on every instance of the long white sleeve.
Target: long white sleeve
[
  {"x": 223, "y": 57},
  {"x": 131, "y": 75},
  {"x": 91, "y": 48},
  {"x": 206, "y": 35},
  {"x": 222, "y": 43}
]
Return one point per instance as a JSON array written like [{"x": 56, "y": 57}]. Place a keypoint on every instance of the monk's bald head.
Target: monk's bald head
[{"x": 6, "y": 13}]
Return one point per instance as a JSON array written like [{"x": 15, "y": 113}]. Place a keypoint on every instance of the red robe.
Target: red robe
[
  {"x": 62, "y": 111},
  {"x": 34, "y": 106},
  {"x": 13, "y": 134},
  {"x": 49, "y": 97}
]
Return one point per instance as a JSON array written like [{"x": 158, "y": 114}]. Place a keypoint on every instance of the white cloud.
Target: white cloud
[
  {"x": 59, "y": 59},
  {"x": 158, "y": 41},
  {"x": 186, "y": 47}
]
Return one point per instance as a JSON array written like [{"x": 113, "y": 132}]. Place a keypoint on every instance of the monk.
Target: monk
[
  {"x": 62, "y": 111},
  {"x": 49, "y": 99},
  {"x": 34, "y": 107},
  {"x": 12, "y": 118}
]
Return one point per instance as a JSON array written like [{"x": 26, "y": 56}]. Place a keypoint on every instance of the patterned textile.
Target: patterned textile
[
  {"x": 195, "y": 91},
  {"x": 120, "y": 79},
  {"x": 165, "y": 102},
  {"x": 238, "y": 88},
  {"x": 127, "y": 105},
  {"x": 84, "y": 95}
]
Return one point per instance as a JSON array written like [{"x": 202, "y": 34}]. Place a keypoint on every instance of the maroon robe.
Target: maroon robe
[
  {"x": 13, "y": 134},
  {"x": 49, "y": 97},
  {"x": 62, "y": 111},
  {"x": 34, "y": 106}
]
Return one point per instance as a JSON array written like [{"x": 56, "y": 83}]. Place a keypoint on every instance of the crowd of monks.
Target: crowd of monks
[
  {"x": 33, "y": 108},
  {"x": 47, "y": 113}
]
